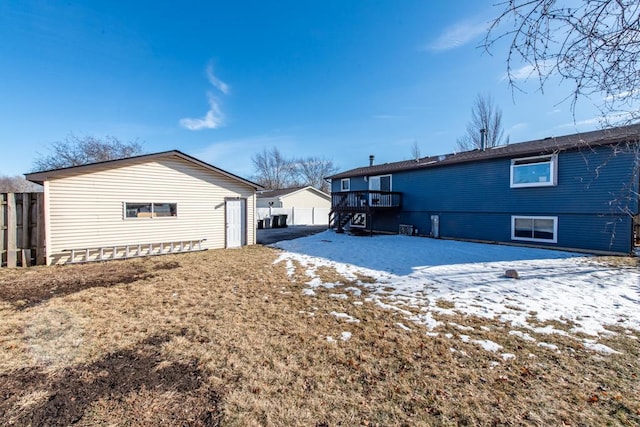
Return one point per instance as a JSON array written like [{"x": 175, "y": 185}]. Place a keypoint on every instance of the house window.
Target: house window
[
  {"x": 150, "y": 210},
  {"x": 345, "y": 184},
  {"x": 535, "y": 228},
  {"x": 534, "y": 171}
]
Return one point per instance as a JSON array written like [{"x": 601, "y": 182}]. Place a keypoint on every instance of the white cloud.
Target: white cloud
[
  {"x": 214, "y": 118},
  {"x": 529, "y": 70},
  {"x": 216, "y": 82},
  {"x": 517, "y": 127},
  {"x": 612, "y": 118},
  {"x": 458, "y": 35},
  {"x": 621, "y": 95}
]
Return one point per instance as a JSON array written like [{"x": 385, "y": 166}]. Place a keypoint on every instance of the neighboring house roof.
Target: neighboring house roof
[
  {"x": 40, "y": 177},
  {"x": 530, "y": 148},
  {"x": 283, "y": 192}
]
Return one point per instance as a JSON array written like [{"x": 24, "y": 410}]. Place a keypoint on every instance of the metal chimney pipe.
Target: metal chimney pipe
[
  {"x": 483, "y": 139},
  {"x": 371, "y": 159}
]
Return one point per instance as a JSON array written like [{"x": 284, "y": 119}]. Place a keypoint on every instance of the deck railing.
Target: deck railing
[{"x": 364, "y": 201}]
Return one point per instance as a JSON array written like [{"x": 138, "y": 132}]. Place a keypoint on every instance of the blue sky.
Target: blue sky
[{"x": 223, "y": 80}]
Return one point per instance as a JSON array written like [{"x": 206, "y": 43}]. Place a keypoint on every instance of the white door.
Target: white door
[
  {"x": 380, "y": 183},
  {"x": 235, "y": 223}
]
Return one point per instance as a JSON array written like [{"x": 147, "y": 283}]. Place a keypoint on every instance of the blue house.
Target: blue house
[{"x": 574, "y": 192}]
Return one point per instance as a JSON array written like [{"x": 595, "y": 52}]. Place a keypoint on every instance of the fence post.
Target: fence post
[
  {"x": 12, "y": 231},
  {"x": 40, "y": 230},
  {"x": 26, "y": 208},
  {"x": 3, "y": 226}
]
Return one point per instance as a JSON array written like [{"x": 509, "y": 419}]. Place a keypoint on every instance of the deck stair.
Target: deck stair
[{"x": 345, "y": 204}]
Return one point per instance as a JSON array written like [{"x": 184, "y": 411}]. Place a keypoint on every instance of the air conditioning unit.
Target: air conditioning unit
[{"x": 405, "y": 229}]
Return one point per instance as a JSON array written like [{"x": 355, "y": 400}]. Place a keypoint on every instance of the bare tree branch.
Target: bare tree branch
[
  {"x": 17, "y": 184},
  {"x": 593, "y": 44},
  {"x": 312, "y": 171},
  {"x": 484, "y": 115},
  {"x": 76, "y": 151},
  {"x": 415, "y": 150},
  {"x": 273, "y": 171}
]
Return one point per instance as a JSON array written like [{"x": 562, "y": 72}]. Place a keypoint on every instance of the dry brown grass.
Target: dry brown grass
[
  {"x": 618, "y": 261},
  {"x": 227, "y": 338}
]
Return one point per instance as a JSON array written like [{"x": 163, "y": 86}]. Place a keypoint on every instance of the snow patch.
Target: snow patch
[
  {"x": 547, "y": 345},
  {"x": 600, "y": 348},
  {"x": 415, "y": 272},
  {"x": 522, "y": 335},
  {"x": 401, "y": 326},
  {"x": 345, "y": 316}
]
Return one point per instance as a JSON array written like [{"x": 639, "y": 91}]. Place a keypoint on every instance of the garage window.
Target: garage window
[{"x": 150, "y": 210}]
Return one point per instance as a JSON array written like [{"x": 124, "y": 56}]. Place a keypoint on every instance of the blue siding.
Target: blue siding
[
  {"x": 474, "y": 200},
  {"x": 484, "y": 187},
  {"x": 357, "y": 184}
]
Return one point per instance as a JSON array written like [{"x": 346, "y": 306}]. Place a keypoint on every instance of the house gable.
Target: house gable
[{"x": 40, "y": 177}]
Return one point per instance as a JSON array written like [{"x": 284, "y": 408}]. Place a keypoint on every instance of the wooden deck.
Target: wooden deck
[{"x": 365, "y": 201}]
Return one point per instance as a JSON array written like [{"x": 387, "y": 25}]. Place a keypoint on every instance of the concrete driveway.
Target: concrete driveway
[{"x": 266, "y": 236}]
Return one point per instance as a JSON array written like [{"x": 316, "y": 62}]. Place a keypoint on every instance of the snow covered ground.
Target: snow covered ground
[{"x": 419, "y": 272}]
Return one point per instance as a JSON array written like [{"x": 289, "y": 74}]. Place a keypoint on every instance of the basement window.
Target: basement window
[
  {"x": 150, "y": 210},
  {"x": 534, "y": 171},
  {"x": 535, "y": 228},
  {"x": 345, "y": 184}
]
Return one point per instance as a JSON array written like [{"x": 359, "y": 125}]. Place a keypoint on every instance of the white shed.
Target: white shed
[
  {"x": 296, "y": 197},
  {"x": 146, "y": 205}
]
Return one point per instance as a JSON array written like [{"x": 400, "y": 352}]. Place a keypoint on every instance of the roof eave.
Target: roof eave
[{"x": 40, "y": 177}]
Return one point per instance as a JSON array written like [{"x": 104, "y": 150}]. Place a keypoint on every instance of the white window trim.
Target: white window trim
[
  {"x": 162, "y": 218},
  {"x": 553, "y": 181},
  {"x": 348, "y": 181},
  {"x": 533, "y": 239}
]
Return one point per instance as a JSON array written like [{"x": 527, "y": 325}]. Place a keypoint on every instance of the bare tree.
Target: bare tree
[
  {"x": 484, "y": 115},
  {"x": 595, "y": 45},
  {"x": 312, "y": 171},
  {"x": 17, "y": 184},
  {"x": 75, "y": 151},
  {"x": 415, "y": 150},
  {"x": 273, "y": 170}
]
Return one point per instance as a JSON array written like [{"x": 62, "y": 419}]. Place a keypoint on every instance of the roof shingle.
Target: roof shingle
[{"x": 530, "y": 148}]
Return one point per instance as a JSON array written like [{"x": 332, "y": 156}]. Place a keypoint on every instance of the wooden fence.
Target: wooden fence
[{"x": 22, "y": 233}]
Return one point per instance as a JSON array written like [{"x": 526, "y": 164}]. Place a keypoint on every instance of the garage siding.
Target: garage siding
[
  {"x": 305, "y": 199},
  {"x": 87, "y": 210}
]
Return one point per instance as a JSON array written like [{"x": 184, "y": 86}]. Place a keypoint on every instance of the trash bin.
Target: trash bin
[
  {"x": 282, "y": 221},
  {"x": 267, "y": 222},
  {"x": 275, "y": 221},
  {"x": 260, "y": 224}
]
